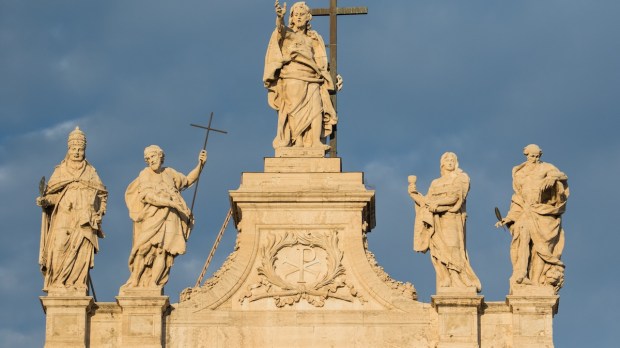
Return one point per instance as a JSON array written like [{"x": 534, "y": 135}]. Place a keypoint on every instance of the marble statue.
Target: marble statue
[
  {"x": 440, "y": 225},
  {"x": 73, "y": 203},
  {"x": 162, "y": 220},
  {"x": 535, "y": 221},
  {"x": 298, "y": 81}
]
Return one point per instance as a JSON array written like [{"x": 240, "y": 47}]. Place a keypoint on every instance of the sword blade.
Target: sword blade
[
  {"x": 498, "y": 215},
  {"x": 42, "y": 187}
]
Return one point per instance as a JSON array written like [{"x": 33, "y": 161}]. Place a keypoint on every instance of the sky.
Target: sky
[{"x": 478, "y": 78}]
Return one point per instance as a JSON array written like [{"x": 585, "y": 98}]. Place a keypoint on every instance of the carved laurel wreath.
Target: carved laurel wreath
[{"x": 285, "y": 293}]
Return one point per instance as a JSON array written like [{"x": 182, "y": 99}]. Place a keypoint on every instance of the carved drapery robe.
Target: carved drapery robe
[
  {"x": 70, "y": 232},
  {"x": 157, "y": 225},
  {"x": 298, "y": 84},
  {"x": 443, "y": 231},
  {"x": 537, "y": 233}
]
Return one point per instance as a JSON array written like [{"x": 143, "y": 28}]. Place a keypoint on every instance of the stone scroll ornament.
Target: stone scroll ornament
[
  {"x": 73, "y": 202},
  {"x": 302, "y": 265},
  {"x": 161, "y": 219},
  {"x": 440, "y": 225},
  {"x": 535, "y": 221},
  {"x": 298, "y": 81}
]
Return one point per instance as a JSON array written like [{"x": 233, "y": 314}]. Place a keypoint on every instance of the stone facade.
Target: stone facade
[{"x": 301, "y": 275}]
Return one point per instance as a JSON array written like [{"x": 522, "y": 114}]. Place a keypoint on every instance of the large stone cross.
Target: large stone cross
[{"x": 333, "y": 12}]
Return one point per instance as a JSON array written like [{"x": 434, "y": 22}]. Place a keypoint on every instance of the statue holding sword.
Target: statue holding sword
[{"x": 535, "y": 222}]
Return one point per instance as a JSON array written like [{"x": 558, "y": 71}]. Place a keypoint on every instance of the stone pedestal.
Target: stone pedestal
[
  {"x": 142, "y": 323},
  {"x": 301, "y": 152},
  {"x": 66, "y": 321},
  {"x": 306, "y": 220},
  {"x": 301, "y": 275},
  {"x": 532, "y": 310},
  {"x": 458, "y": 317}
]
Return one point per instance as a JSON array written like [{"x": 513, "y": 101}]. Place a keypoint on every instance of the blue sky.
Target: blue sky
[{"x": 479, "y": 78}]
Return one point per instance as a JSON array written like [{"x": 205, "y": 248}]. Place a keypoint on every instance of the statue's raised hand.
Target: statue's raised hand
[
  {"x": 202, "y": 157},
  {"x": 280, "y": 10}
]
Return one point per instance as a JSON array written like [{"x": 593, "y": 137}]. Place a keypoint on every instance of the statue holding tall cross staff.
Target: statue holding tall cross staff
[
  {"x": 162, "y": 219},
  {"x": 298, "y": 81}
]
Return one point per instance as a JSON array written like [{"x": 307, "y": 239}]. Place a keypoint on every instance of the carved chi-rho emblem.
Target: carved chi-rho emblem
[{"x": 301, "y": 264}]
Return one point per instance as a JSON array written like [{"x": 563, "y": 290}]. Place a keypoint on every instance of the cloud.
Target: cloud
[{"x": 58, "y": 131}]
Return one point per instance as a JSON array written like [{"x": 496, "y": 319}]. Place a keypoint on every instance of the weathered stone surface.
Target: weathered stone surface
[
  {"x": 532, "y": 319},
  {"x": 73, "y": 202},
  {"x": 301, "y": 275},
  {"x": 301, "y": 233},
  {"x": 142, "y": 320},
  {"x": 535, "y": 222},
  {"x": 440, "y": 226},
  {"x": 298, "y": 81},
  {"x": 67, "y": 320},
  {"x": 458, "y": 318},
  {"x": 162, "y": 220},
  {"x": 301, "y": 165}
]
